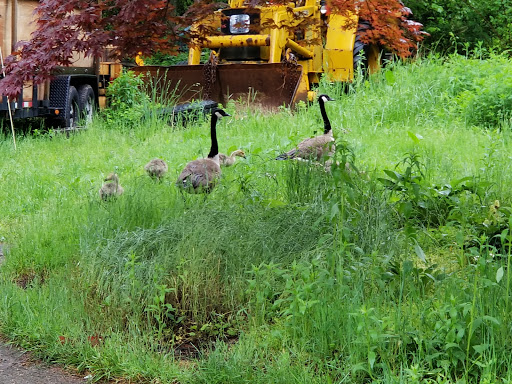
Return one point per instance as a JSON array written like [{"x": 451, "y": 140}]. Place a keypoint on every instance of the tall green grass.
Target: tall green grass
[{"x": 393, "y": 267}]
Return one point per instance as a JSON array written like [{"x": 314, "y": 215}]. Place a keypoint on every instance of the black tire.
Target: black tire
[
  {"x": 360, "y": 52},
  {"x": 70, "y": 118},
  {"x": 86, "y": 102},
  {"x": 366, "y": 56}
]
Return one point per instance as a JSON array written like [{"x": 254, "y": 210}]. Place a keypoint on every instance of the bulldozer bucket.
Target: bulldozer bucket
[{"x": 265, "y": 85}]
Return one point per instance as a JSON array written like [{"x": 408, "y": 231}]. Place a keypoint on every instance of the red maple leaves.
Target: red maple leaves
[
  {"x": 148, "y": 26},
  {"x": 130, "y": 26}
]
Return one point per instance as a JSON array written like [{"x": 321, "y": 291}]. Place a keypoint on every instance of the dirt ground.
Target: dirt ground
[{"x": 16, "y": 367}]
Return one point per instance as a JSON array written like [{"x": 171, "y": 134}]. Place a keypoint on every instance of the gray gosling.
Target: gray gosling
[
  {"x": 316, "y": 148},
  {"x": 201, "y": 175},
  {"x": 111, "y": 188},
  {"x": 156, "y": 168},
  {"x": 228, "y": 161}
]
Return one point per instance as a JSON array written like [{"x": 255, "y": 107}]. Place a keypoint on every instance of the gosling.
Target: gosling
[
  {"x": 228, "y": 161},
  {"x": 111, "y": 188},
  {"x": 156, "y": 168}
]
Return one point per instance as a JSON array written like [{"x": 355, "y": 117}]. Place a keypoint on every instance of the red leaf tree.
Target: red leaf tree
[
  {"x": 130, "y": 26},
  {"x": 148, "y": 26},
  {"x": 384, "y": 22}
]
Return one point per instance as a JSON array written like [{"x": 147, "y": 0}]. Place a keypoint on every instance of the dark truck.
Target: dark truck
[{"x": 74, "y": 93}]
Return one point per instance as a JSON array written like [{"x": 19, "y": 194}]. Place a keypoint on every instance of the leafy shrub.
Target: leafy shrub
[
  {"x": 127, "y": 99},
  {"x": 491, "y": 103},
  {"x": 483, "y": 89},
  {"x": 165, "y": 59},
  {"x": 456, "y": 25},
  {"x": 416, "y": 199}
]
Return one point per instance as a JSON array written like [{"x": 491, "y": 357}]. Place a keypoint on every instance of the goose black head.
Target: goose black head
[
  {"x": 323, "y": 98},
  {"x": 219, "y": 113}
]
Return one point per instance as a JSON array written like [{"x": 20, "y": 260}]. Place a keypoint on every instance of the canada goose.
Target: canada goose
[
  {"x": 228, "y": 161},
  {"x": 314, "y": 148},
  {"x": 201, "y": 175},
  {"x": 111, "y": 188},
  {"x": 156, "y": 168}
]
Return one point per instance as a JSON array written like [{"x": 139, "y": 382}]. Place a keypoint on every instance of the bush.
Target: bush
[
  {"x": 458, "y": 26},
  {"x": 483, "y": 89},
  {"x": 127, "y": 99}
]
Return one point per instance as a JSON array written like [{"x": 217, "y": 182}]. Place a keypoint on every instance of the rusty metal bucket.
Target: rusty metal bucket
[{"x": 266, "y": 85}]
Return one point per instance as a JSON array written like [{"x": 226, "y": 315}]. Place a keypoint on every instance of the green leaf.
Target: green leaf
[
  {"x": 459, "y": 181},
  {"x": 387, "y": 183},
  {"x": 371, "y": 358},
  {"x": 393, "y": 174},
  {"x": 335, "y": 210},
  {"x": 481, "y": 348},
  {"x": 459, "y": 236},
  {"x": 390, "y": 78},
  {"x": 274, "y": 203},
  {"x": 491, "y": 319},
  {"x": 415, "y": 137},
  {"x": 437, "y": 8},
  {"x": 405, "y": 208},
  {"x": 419, "y": 252},
  {"x": 499, "y": 274}
]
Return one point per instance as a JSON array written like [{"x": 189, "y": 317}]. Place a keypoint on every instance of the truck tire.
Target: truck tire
[
  {"x": 86, "y": 102},
  {"x": 359, "y": 54},
  {"x": 70, "y": 118},
  {"x": 366, "y": 56}
]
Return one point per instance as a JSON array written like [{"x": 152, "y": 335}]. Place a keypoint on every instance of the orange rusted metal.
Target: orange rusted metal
[{"x": 267, "y": 85}]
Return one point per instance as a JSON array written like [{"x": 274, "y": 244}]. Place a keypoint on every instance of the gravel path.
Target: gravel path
[{"x": 16, "y": 367}]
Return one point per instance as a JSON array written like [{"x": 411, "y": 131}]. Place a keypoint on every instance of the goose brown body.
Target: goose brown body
[
  {"x": 111, "y": 188},
  {"x": 318, "y": 147},
  {"x": 201, "y": 175},
  {"x": 228, "y": 161},
  {"x": 156, "y": 168}
]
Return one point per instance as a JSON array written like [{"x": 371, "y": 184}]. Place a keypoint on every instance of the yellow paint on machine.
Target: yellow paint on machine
[{"x": 300, "y": 41}]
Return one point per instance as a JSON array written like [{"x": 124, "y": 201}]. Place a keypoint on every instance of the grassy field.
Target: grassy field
[{"x": 392, "y": 268}]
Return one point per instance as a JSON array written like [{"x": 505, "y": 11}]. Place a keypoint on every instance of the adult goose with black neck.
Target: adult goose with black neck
[
  {"x": 201, "y": 175},
  {"x": 314, "y": 148}
]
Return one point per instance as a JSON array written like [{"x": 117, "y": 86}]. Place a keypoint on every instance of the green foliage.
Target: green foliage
[
  {"x": 418, "y": 200},
  {"x": 301, "y": 286},
  {"x": 166, "y": 59},
  {"x": 458, "y": 26},
  {"x": 483, "y": 90},
  {"x": 128, "y": 102}
]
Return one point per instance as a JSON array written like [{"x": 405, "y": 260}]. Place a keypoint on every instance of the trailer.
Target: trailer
[{"x": 73, "y": 93}]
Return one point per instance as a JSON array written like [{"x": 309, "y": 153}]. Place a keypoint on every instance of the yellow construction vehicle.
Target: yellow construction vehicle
[{"x": 274, "y": 53}]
